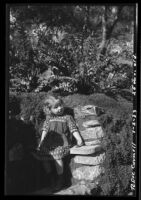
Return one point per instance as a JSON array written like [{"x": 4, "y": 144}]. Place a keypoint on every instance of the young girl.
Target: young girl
[{"x": 57, "y": 132}]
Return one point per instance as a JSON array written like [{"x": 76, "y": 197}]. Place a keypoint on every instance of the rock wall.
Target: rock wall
[{"x": 86, "y": 161}]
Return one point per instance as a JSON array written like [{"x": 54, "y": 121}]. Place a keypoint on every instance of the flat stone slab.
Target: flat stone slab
[
  {"x": 85, "y": 150},
  {"x": 88, "y": 173},
  {"x": 92, "y": 133},
  {"x": 80, "y": 111},
  {"x": 89, "y": 160},
  {"x": 95, "y": 109},
  {"x": 80, "y": 121},
  {"x": 91, "y": 123},
  {"x": 92, "y": 142},
  {"x": 89, "y": 109},
  {"x": 84, "y": 110}
]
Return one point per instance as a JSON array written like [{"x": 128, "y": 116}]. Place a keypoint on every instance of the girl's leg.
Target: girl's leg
[
  {"x": 59, "y": 178},
  {"x": 59, "y": 166}
]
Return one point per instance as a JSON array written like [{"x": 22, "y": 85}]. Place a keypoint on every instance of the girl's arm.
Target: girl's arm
[
  {"x": 78, "y": 138},
  {"x": 74, "y": 130},
  {"x": 42, "y": 138},
  {"x": 44, "y": 133}
]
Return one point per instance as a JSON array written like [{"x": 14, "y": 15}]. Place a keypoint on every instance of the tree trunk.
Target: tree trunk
[
  {"x": 85, "y": 26},
  {"x": 103, "y": 42},
  {"x": 107, "y": 32}
]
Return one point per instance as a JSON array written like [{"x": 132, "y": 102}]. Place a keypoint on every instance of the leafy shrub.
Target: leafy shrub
[
  {"x": 68, "y": 58},
  {"x": 60, "y": 84},
  {"x": 118, "y": 147}
]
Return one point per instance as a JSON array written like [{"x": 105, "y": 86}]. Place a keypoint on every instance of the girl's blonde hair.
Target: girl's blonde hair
[{"x": 50, "y": 101}]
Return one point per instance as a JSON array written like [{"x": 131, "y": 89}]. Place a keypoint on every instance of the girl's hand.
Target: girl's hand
[{"x": 80, "y": 144}]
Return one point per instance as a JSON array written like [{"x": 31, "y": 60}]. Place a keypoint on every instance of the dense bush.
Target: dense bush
[
  {"x": 43, "y": 42},
  {"x": 118, "y": 147},
  {"x": 112, "y": 71}
]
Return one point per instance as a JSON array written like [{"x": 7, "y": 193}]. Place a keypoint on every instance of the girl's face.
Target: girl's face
[{"x": 57, "y": 109}]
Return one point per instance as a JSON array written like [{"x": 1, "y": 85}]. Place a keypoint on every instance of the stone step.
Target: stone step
[
  {"x": 81, "y": 121},
  {"x": 87, "y": 173},
  {"x": 85, "y": 110},
  {"x": 95, "y": 109},
  {"x": 92, "y": 133},
  {"x": 85, "y": 150},
  {"x": 91, "y": 123},
  {"x": 89, "y": 160},
  {"x": 88, "y": 110},
  {"x": 92, "y": 142}
]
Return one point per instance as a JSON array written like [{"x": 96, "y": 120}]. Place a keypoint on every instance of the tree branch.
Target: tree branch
[{"x": 110, "y": 30}]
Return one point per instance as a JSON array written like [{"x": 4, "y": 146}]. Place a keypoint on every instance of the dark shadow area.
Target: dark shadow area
[
  {"x": 67, "y": 171},
  {"x": 126, "y": 94},
  {"x": 24, "y": 173},
  {"x": 69, "y": 111},
  {"x": 24, "y": 177},
  {"x": 96, "y": 191},
  {"x": 111, "y": 94}
]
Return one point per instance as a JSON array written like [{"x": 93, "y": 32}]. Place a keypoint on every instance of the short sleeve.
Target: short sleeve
[{"x": 71, "y": 124}]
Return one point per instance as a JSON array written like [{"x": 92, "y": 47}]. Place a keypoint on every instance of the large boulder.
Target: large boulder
[{"x": 87, "y": 173}]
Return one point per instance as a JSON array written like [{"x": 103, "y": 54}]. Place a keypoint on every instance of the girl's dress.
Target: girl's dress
[{"x": 58, "y": 139}]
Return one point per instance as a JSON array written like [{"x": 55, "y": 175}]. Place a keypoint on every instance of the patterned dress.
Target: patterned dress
[{"x": 58, "y": 139}]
